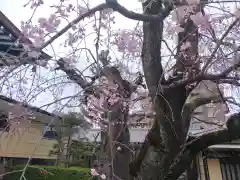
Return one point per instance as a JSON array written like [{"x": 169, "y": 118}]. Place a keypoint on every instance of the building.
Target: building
[
  {"x": 29, "y": 136},
  {"x": 217, "y": 162},
  {"x": 19, "y": 144},
  {"x": 12, "y": 42}
]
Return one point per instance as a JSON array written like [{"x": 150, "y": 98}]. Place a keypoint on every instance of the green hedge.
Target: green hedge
[{"x": 50, "y": 173}]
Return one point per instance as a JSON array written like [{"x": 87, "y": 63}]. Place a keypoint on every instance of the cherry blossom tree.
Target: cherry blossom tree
[{"x": 175, "y": 46}]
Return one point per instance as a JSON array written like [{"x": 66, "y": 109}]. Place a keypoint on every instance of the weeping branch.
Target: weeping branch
[
  {"x": 221, "y": 77},
  {"x": 75, "y": 21},
  {"x": 116, "y": 7},
  {"x": 73, "y": 75}
]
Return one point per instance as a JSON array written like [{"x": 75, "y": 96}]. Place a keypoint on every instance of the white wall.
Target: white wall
[{"x": 136, "y": 134}]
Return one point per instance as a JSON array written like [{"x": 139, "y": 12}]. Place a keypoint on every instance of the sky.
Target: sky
[{"x": 15, "y": 11}]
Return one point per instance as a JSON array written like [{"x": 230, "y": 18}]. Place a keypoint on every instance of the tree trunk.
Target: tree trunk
[
  {"x": 68, "y": 153},
  {"x": 118, "y": 144},
  {"x": 168, "y": 103}
]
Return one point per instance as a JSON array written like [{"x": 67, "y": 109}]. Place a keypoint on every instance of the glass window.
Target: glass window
[
  {"x": 4, "y": 125},
  {"x": 49, "y": 133},
  {"x": 230, "y": 168}
]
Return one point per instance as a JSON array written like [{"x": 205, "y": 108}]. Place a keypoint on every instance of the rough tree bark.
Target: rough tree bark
[
  {"x": 167, "y": 104},
  {"x": 168, "y": 135},
  {"x": 120, "y": 137},
  {"x": 118, "y": 134},
  {"x": 172, "y": 114}
]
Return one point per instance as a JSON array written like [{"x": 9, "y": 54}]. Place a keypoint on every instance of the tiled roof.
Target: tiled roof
[{"x": 11, "y": 42}]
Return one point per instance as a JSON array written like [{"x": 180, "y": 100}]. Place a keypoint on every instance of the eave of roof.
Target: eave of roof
[
  {"x": 17, "y": 33},
  {"x": 225, "y": 146},
  {"x": 32, "y": 108}
]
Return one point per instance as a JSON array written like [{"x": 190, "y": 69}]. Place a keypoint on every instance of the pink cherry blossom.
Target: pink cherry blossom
[
  {"x": 94, "y": 172},
  {"x": 103, "y": 176},
  {"x": 38, "y": 41},
  {"x": 81, "y": 9},
  {"x": 174, "y": 29},
  {"x": 109, "y": 96},
  {"x": 237, "y": 13},
  {"x": 42, "y": 22},
  {"x": 126, "y": 42},
  {"x": 50, "y": 24},
  {"x": 185, "y": 46},
  {"x": 200, "y": 20},
  {"x": 36, "y": 3},
  {"x": 19, "y": 115},
  {"x": 181, "y": 13}
]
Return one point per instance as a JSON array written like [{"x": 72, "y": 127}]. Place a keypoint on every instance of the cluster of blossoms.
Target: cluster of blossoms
[
  {"x": 94, "y": 173},
  {"x": 38, "y": 32},
  {"x": 36, "y": 3},
  {"x": 50, "y": 24},
  {"x": 43, "y": 171},
  {"x": 70, "y": 61},
  {"x": 128, "y": 42},
  {"x": 184, "y": 12},
  {"x": 107, "y": 96}
]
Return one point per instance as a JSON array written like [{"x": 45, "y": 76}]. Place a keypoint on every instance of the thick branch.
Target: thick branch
[
  {"x": 190, "y": 150},
  {"x": 151, "y": 55},
  {"x": 234, "y": 82},
  {"x": 116, "y": 7},
  {"x": 191, "y": 106},
  {"x": 140, "y": 17},
  {"x": 151, "y": 60},
  {"x": 207, "y": 122},
  {"x": 212, "y": 77},
  {"x": 73, "y": 75}
]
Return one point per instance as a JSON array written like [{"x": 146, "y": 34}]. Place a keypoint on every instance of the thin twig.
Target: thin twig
[
  {"x": 219, "y": 44},
  {"x": 75, "y": 21}
]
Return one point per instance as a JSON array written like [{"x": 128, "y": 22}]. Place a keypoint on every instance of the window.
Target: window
[
  {"x": 49, "y": 133},
  {"x": 4, "y": 125},
  {"x": 230, "y": 168}
]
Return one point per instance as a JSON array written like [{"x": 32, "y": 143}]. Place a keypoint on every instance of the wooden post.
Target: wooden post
[{"x": 110, "y": 146}]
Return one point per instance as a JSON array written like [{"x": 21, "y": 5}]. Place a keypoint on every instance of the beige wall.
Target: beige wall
[
  {"x": 214, "y": 169},
  {"x": 23, "y": 142}
]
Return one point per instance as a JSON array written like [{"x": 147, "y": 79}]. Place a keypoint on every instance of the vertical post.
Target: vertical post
[{"x": 110, "y": 146}]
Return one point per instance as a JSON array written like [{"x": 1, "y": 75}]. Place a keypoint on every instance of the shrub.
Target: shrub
[{"x": 50, "y": 173}]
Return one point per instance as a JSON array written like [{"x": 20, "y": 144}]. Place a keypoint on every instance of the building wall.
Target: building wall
[
  {"x": 24, "y": 142},
  {"x": 214, "y": 169}
]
